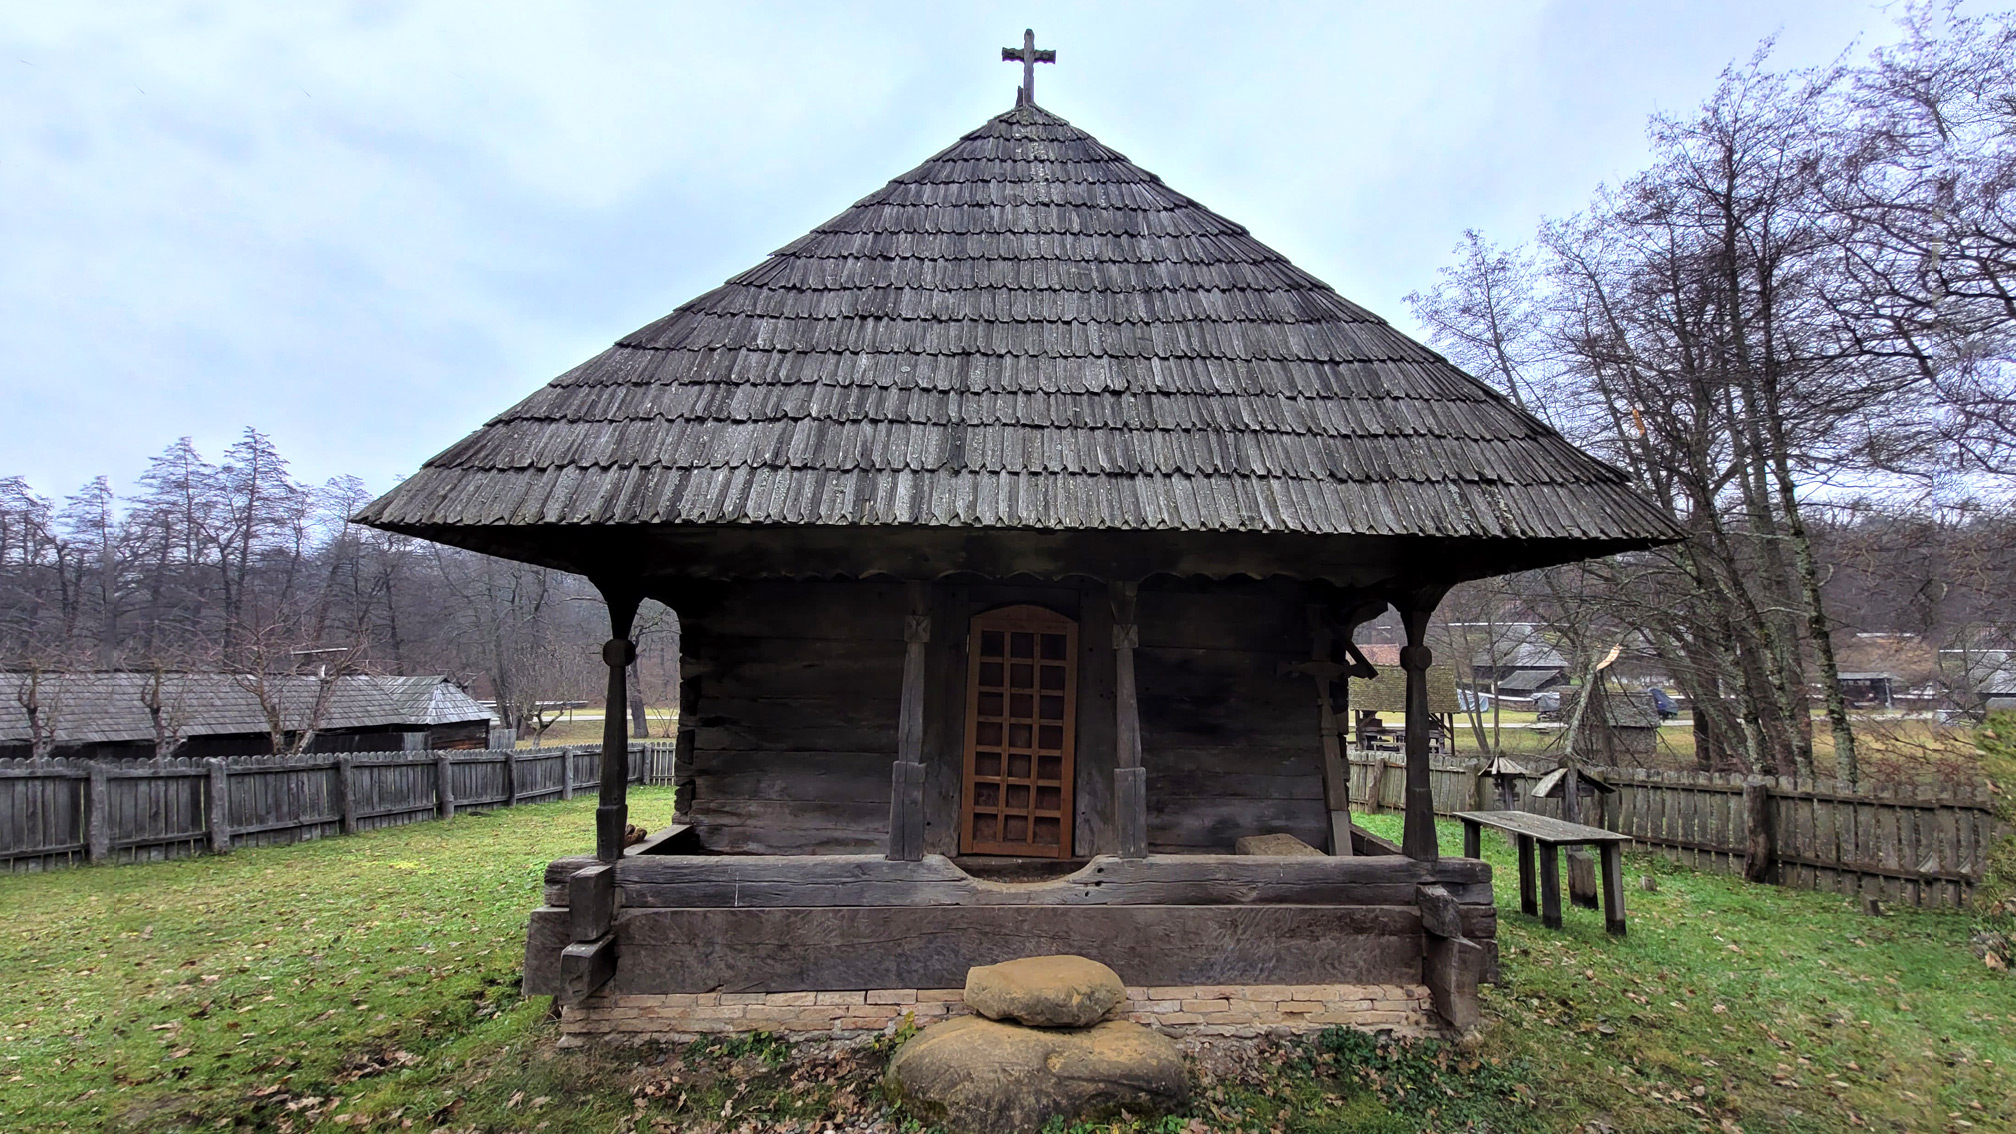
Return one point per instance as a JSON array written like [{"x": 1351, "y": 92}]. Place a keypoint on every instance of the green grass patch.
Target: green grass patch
[
  {"x": 372, "y": 983},
  {"x": 1747, "y": 1006}
]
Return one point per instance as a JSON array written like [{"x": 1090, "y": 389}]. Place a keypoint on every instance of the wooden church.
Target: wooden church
[{"x": 1020, "y": 513}]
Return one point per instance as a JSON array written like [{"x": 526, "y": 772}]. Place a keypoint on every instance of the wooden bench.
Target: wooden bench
[{"x": 1550, "y": 835}]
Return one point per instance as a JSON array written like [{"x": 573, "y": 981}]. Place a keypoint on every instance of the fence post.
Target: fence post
[
  {"x": 346, "y": 793},
  {"x": 1760, "y": 843},
  {"x": 444, "y": 790},
  {"x": 98, "y": 821},
  {"x": 510, "y": 778},
  {"x": 566, "y": 773},
  {"x": 220, "y": 806}
]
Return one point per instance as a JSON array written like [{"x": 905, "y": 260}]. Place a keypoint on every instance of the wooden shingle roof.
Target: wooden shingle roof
[
  {"x": 110, "y": 707},
  {"x": 1026, "y": 331}
]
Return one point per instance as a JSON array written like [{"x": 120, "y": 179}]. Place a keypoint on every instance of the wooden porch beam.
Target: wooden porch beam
[
  {"x": 1130, "y": 779},
  {"x": 906, "y": 778}
]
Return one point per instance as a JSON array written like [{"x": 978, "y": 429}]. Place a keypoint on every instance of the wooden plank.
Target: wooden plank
[
  {"x": 220, "y": 807},
  {"x": 1541, "y": 828},
  {"x": 944, "y": 754},
  {"x": 829, "y": 948},
  {"x": 906, "y": 811}
]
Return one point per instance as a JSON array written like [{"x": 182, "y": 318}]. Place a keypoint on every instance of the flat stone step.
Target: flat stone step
[{"x": 1045, "y": 992}]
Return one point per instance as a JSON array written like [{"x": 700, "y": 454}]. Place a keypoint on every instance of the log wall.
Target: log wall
[
  {"x": 799, "y": 687},
  {"x": 1229, "y": 741}
]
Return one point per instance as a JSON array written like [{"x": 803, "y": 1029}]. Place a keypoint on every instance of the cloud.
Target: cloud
[{"x": 366, "y": 228}]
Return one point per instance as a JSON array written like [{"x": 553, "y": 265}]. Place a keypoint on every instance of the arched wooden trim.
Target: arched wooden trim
[{"x": 1021, "y": 733}]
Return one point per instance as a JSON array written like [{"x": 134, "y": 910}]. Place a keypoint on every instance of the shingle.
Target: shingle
[{"x": 1027, "y": 330}]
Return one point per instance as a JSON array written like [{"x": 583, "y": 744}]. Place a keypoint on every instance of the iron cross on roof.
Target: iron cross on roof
[{"x": 1028, "y": 56}]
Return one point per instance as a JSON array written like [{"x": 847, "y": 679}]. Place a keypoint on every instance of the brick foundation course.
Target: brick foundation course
[{"x": 1224, "y": 1010}]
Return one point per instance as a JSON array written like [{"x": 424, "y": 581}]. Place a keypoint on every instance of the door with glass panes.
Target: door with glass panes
[{"x": 1021, "y": 708}]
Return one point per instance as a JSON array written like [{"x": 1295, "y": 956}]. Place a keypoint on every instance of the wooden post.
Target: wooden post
[
  {"x": 444, "y": 787},
  {"x": 1581, "y": 867},
  {"x": 346, "y": 793},
  {"x": 1760, "y": 846},
  {"x": 1130, "y": 779},
  {"x": 1613, "y": 888},
  {"x": 510, "y": 779},
  {"x": 1130, "y": 811},
  {"x": 1529, "y": 902},
  {"x": 906, "y": 779},
  {"x": 566, "y": 773},
  {"x": 220, "y": 806},
  {"x": 612, "y": 813},
  {"x": 98, "y": 822},
  {"x": 1550, "y": 886},
  {"x": 1417, "y": 838}
]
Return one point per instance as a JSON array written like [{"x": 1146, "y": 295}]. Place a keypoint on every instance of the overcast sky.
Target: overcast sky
[{"x": 364, "y": 228}]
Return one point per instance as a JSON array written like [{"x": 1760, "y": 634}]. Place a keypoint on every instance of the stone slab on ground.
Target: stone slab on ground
[
  {"x": 1045, "y": 992},
  {"x": 981, "y": 1076}
]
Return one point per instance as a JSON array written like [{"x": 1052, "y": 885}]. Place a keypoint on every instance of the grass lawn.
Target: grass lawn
[{"x": 370, "y": 983}]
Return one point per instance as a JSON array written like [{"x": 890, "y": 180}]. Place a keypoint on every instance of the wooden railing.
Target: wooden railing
[
  {"x": 1911, "y": 845},
  {"x": 56, "y": 813}
]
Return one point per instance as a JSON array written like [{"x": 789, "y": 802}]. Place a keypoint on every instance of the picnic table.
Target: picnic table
[{"x": 1550, "y": 835}]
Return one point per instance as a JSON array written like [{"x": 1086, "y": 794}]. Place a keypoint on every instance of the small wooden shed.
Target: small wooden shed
[{"x": 1022, "y": 511}]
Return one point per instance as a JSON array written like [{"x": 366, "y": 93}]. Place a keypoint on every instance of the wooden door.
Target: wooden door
[{"x": 1021, "y": 717}]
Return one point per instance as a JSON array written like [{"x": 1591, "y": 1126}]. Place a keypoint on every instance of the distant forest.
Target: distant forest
[
  {"x": 234, "y": 565},
  {"x": 1795, "y": 329}
]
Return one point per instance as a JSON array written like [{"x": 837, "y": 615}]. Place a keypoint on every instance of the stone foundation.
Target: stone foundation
[{"x": 1234, "y": 1010}]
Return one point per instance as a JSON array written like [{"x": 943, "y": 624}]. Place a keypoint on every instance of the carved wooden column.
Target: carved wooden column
[
  {"x": 1418, "y": 836},
  {"x": 906, "y": 779},
  {"x": 1130, "y": 779},
  {"x": 612, "y": 815}
]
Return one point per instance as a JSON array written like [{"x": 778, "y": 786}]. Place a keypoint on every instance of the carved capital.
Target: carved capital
[
  {"x": 1126, "y": 636},
  {"x": 618, "y": 652},
  {"x": 1415, "y": 657},
  {"x": 916, "y": 628}
]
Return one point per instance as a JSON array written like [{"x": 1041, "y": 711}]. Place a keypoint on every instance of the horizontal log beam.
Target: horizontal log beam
[{"x": 828, "y": 948}]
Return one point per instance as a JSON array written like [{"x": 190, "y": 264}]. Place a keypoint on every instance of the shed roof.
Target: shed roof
[
  {"x": 104, "y": 708},
  {"x": 1027, "y": 331}
]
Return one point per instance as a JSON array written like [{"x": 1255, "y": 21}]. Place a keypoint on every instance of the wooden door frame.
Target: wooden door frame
[{"x": 1038, "y": 618}]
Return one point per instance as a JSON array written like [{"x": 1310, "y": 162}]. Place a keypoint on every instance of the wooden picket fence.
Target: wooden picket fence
[
  {"x": 1918, "y": 846},
  {"x": 1909, "y": 846},
  {"x": 56, "y": 813}
]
